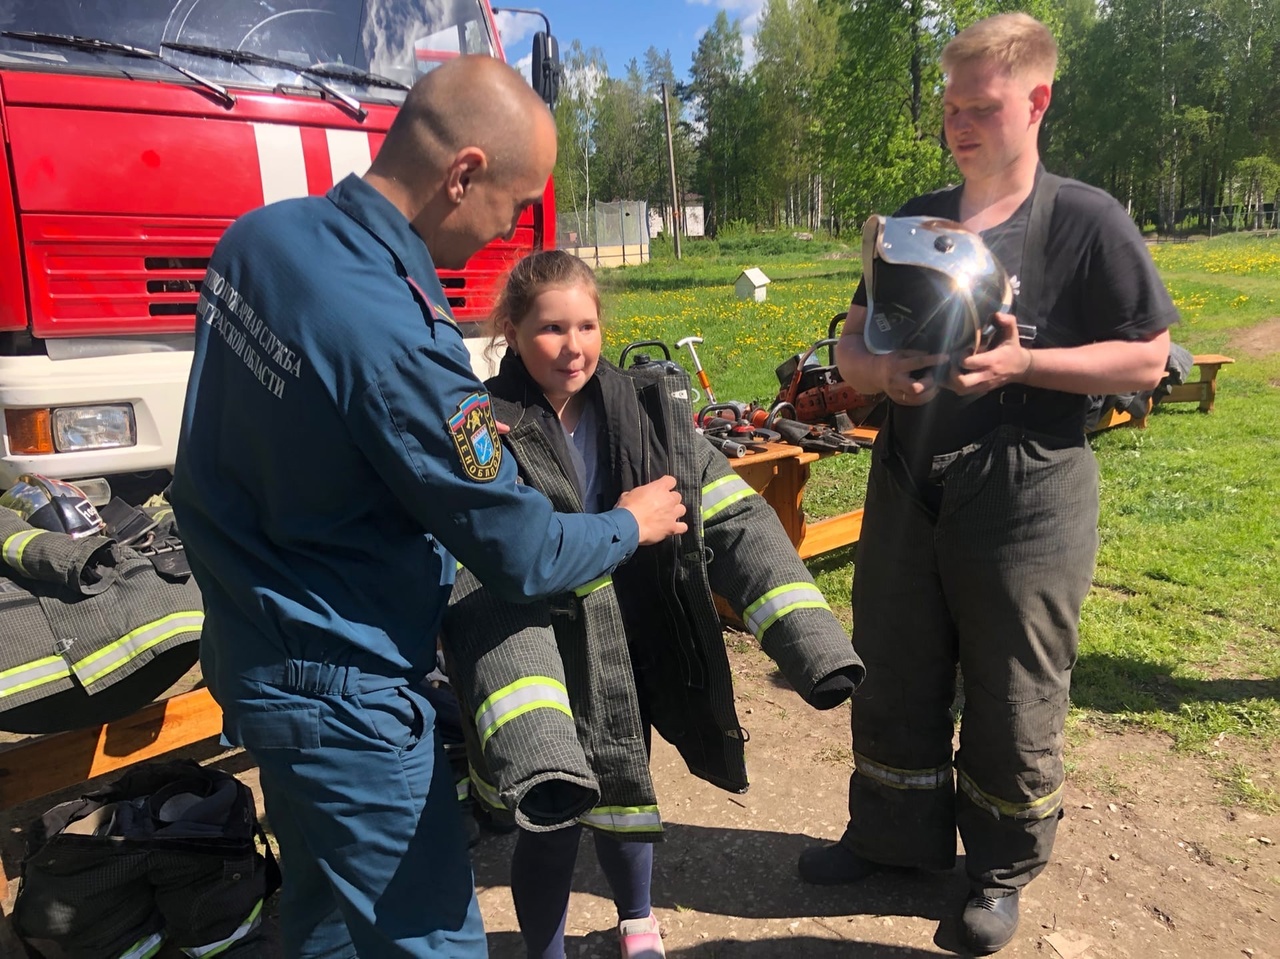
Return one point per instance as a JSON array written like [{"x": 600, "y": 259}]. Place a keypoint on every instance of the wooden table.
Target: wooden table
[{"x": 780, "y": 474}]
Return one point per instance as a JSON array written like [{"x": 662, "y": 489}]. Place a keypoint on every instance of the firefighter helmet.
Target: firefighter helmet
[
  {"x": 53, "y": 504},
  {"x": 931, "y": 284}
]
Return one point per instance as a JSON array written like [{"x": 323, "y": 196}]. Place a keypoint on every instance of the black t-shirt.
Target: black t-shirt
[{"x": 1099, "y": 284}]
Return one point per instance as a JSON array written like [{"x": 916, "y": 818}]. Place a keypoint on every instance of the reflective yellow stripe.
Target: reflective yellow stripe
[
  {"x": 135, "y": 642},
  {"x": 1041, "y": 808},
  {"x": 213, "y": 948},
  {"x": 932, "y": 778},
  {"x": 16, "y": 544},
  {"x": 463, "y": 788},
  {"x": 518, "y": 698},
  {"x": 484, "y": 792},
  {"x": 32, "y": 674},
  {"x": 159, "y": 515},
  {"x": 723, "y": 493},
  {"x": 586, "y": 589},
  {"x": 779, "y": 601},
  {"x": 144, "y": 948},
  {"x": 623, "y": 819}
]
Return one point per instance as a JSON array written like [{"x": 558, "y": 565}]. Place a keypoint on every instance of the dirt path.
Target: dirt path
[{"x": 1149, "y": 861}]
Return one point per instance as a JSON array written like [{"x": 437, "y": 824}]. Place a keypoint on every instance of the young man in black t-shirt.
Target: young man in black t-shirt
[{"x": 980, "y": 529}]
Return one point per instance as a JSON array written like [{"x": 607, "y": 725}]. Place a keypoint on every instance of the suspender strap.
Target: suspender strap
[
  {"x": 1035, "y": 254},
  {"x": 1031, "y": 306}
]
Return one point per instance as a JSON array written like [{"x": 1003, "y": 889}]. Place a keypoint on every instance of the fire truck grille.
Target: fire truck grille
[
  {"x": 182, "y": 275},
  {"x": 106, "y": 275}
]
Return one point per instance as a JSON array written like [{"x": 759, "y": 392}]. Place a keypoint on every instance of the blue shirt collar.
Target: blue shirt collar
[{"x": 360, "y": 201}]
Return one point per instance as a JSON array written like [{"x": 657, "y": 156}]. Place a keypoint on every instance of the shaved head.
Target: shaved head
[
  {"x": 470, "y": 101},
  {"x": 470, "y": 150}
]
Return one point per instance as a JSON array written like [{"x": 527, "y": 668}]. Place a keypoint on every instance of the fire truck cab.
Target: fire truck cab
[{"x": 135, "y": 131}]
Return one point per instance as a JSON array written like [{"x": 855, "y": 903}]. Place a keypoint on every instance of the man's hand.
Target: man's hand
[
  {"x": 657, "y": 509},
  {"x": 1007, "y": 361},
  {"x": 895, "y": 373}
]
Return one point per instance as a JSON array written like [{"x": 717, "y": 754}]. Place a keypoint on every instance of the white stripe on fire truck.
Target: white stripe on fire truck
[
  {"x": 348, "y": 152},
  {"x": 281, "y": 164}
]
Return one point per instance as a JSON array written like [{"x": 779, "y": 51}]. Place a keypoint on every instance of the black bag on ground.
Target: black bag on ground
[{"x": 168, "y": 852}]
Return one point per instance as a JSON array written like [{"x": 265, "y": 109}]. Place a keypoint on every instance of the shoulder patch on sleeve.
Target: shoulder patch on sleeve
[{"x": 475, "y": 436}]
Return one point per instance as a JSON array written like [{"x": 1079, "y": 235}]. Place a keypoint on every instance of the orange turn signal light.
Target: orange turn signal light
[{"x": 29, "y": 431}]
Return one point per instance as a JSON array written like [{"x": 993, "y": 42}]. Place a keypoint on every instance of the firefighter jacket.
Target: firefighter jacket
[
  {"x": 80, "y": 616},
  {"x": 557, "y": 734}
]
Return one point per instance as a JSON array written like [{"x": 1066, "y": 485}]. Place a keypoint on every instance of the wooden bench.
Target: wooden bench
[{"x": 1203, "y": 390}]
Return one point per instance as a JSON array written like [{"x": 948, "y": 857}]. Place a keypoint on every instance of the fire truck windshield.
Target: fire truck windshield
[{"x": 350, "y": 43}]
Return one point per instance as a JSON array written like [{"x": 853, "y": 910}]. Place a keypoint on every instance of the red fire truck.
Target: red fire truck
[{"x": 135, "y": 131}]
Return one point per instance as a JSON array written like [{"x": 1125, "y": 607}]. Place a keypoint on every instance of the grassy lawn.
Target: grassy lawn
[{"x": 1181, "y": 633}]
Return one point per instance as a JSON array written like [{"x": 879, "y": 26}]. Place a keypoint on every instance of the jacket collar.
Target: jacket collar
[{"x": 373, "y": 211}]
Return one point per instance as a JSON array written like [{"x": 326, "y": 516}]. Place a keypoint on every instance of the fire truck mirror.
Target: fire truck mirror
[{"x": 546, "y": 67}]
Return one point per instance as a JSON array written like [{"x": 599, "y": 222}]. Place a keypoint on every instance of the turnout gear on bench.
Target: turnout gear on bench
[{"x": 79, "y": 621}]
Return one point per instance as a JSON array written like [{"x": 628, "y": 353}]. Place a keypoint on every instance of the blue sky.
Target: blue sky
[{"x": 626, "y": 28}]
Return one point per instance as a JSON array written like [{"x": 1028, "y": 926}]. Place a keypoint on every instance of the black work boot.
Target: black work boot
[
  {"x": 834, "y": 865},
  {"x": 988, "y": 924}
]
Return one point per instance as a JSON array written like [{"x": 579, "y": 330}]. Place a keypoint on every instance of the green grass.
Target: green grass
[{"x": 1181, "y": 633}]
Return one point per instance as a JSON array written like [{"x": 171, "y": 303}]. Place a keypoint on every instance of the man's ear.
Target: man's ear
[
  {"x": 1041, "y": 96},
  {"x": 466, "y": 163}
]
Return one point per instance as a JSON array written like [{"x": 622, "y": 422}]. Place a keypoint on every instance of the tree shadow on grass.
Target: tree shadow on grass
[{"x": 1117, "y": 684}]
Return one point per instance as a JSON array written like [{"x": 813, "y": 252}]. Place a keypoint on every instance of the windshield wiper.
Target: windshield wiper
[
  {"x": 247, "y": 56},
  {"x": 111, "y": 46},
  {"x": 345, "y": 71}
]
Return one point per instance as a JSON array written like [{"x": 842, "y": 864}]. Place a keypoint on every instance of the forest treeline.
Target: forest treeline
[{"x": 1172, "y": 106}]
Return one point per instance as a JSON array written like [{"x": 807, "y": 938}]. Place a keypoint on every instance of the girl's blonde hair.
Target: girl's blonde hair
[
  {"x": 1018, "y": 42},
  {"x": 529, "y": 277}
]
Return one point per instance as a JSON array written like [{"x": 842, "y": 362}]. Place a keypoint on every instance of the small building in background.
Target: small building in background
[
  {"x": 751, "y": 284},
  {"x": 694, "y": 219}
]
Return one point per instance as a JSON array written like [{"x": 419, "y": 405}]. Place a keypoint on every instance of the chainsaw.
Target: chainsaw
[{"x": 818, "y": 394}]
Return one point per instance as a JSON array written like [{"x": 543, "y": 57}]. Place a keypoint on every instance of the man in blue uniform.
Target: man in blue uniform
[{"x": 337, "y": 454}]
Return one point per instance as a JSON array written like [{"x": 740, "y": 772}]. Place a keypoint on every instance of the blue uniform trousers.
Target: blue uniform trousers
[{"x": 360, "y": 797}]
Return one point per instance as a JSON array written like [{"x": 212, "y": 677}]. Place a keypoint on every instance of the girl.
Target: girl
[{"x": 563, "y": 693}]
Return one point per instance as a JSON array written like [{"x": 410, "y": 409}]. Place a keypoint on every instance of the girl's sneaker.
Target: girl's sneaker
[{"x": 641, "y": 939}]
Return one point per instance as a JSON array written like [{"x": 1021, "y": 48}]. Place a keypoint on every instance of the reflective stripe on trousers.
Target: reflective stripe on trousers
[
  {"x": 144, "y": 948},
  {"x": 1041, "y": 808},
  {"x": 211, "y": 949},
  {"x": 933, "y": 778}
]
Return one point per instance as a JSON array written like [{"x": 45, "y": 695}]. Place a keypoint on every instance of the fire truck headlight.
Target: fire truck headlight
[{"x": 93, "y": 428}]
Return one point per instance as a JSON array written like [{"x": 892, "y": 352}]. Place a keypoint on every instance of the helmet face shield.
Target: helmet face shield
[
  {"x": 931, "y": 285},
  {"x": 53, "y": 504}
]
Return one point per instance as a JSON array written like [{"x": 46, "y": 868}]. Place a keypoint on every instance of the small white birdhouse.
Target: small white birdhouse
[{"x": 751, "y": 284}]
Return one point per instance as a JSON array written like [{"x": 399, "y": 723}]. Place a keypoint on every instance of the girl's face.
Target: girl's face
[{"x": 559, "y": 340}]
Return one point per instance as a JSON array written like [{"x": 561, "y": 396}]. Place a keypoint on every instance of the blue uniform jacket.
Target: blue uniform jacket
[{"x": 337, "y": 452}]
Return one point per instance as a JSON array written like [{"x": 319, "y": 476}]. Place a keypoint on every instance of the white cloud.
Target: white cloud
[
  {"x": 746, "y": 10},
  {"x": 747, "y": 13},
  {"x": 514, "y": 27},
  {"x": 525, "y": 65}
]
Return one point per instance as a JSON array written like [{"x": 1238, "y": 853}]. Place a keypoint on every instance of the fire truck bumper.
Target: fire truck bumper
[{"x": 95, "y": 416}]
